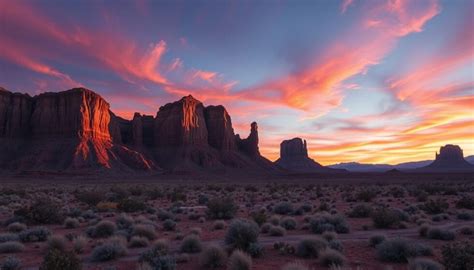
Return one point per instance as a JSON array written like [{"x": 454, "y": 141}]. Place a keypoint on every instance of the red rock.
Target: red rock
[
  {"x": 181, "y": 123},
  {"x": 15, "y": 113},
  {"x": 449, "y": 159},
  {"x": 219, "y": 127},
  {"x": 250, "y": 144}
]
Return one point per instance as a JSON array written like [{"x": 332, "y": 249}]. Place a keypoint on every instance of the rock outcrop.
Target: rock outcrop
[
  {"x": 449, "y": 159},
  {"x": 69, "y": 130},
  {"x": 294, "y": 157},
  {"x": 75, "y": 130}
]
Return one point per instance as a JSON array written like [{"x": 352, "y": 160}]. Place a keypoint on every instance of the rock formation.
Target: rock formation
[
  {"x": 75, "y": 130},
  {"x": 68, "y": 130},
  {"x": 294, "y": 158},
  {"x": 449, "y": 159}
]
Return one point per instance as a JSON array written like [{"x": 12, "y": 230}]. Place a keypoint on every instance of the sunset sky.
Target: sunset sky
[{"x": 367, "y": 81}]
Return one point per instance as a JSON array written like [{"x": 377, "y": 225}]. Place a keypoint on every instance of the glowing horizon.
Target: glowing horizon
[{"x": 365, "y": 81}]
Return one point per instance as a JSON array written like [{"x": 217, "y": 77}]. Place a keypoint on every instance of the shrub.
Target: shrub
[
  {"x": 467, "y": 230},
  {"x": 143, "y": 230},
  {"x": 266, "y": 227},
  {"x": 400, "y": 249},
  {"x": 310, "y": 248},
  {"x": 79, "y": 244},
  {"x": 324, "y": 223},
  {"x": 329, "y": 236},
  {"x": 465, "y": 216},
  {"x": 16, "y": 227},
  {"x": 57, "y": 242},
  {"x": 260, "y": 217},
  {"x": 212, "y": 257},
  {"x": 38, "y": 234},
  {"x": 241, "y": 234},
  {"x": 103, "y": 229},
  {"x": 169, "y": 225},
  {"x": 336, "y": 245},
  {"x": 157, "y": 258},
  {"x": 138, "y": 241},
  {"x": 124, "y": 222},
  {"x": 161, "y": 245},
  {"x": 434, "y": 207},
  {"x": 424, "y": 264},
  {"x": 458, "y": 255},
  {"x": 423, "y": 230},
  {"x": 295, "y": 266},
  {"x": 91, "y": 198},
  {"x": 360, "y": 211},
  {"x": 283, "y": 208},
  {"x": 42, "y": 211},
  {"x": 366, "y": 195},
  {"x": 191, "y": 244},
  {"x": 440, "y": 234},
  {"x": 218, "y": 225},
  {"x": 10, "y": 263},
  {"x": 376, "y": 240},
  {"x": 131, "y": 205},
  {"x": 466, "y": 202},
  {"x": 277, "y": 231},
  {"x": 385, "y": 218},
  {"x": 332, "y": 258},
  {"x": 7, "y": 237},
  {"x": 221, "y": 208},
  {"x": 71, "y": 223},
  {"x": 288, "y": 223},
  {"x": 284, "y": 248},
  {"x": 255, "y": 250},
  {"x": 108, "y": 251},
  {"x": 11, "y": 247},
  {"x": 59, "y": 260},
  {"x": 239, "y": 260}
]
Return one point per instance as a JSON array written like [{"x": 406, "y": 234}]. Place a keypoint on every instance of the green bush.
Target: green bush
[
  {"x": 57, "y": 242},
  {"x": 212, "y": 257},
  {"x": 360, "y": 211},
  {"x": 144, "y": 230},
  {"x": 434, "y": 207},
  {"x": 440, "y": 234},
  {"x": 16, "y": 227},
  {"x": 255, "y": 250},
  {"x": 60, "y": 260},
  {"x": 327, "y": 222},
  {"x": 283, "y": 208},
  {"x": 7, "y": 237},
  {"x": 310, "y": 248},
  {"x": 277, "y": 231},
  {"x": 376, "y": 240},
  {"x": 10, "y": 263},
  {"x": 138, "y": 242},
  {"x": 288, "y": 223},
  {"x": 221, "y": 208},
  {"x": 169, "y": 225},
  {"x": 108, "y": 251},
  {"x": 385, "y": 218},
  {"x": 103, "y": 229},
  {"x": 458, "y": 255},
  {"x": 191, "y": 244},
  {"x": 11, "y": 247},
  {"x": 400, "y": 250},
  {"x": 38, "y": 234},
  {"x": 158, "y": 259},
  {"x": 424, "y": 264},
  {"x": 239, "y": 260},
  {"x": 241, "y": 234},
  {"x": 42, "y": 211},
  {"x": 332, "y": 258},
  {"x": 91, "y": 198},
  {"x": 130, "y": 205}
]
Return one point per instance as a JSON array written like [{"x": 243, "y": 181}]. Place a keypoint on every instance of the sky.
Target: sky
[{"x": 376, "y": 81}]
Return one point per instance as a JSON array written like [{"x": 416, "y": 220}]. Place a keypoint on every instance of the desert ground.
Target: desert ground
[{"x": 291, "y": 222}]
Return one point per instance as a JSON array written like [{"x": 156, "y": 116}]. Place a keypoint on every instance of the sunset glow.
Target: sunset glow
[{"x": 367, "y": 81}]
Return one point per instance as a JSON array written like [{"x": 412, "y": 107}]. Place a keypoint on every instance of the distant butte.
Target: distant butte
[{"x": 75, "y": 130}]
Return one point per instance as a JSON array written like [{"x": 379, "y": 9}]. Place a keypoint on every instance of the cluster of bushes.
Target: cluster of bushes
[
  {"x": 434, "y": 207},
  {"x": 400, "y": 250},
  {"x": 109, "y": 250},
  {"x": 436, "y": 233},
  {"x": 360, "y": 211},
  {"x": 243, "y": 234},
  {"x": 130, "y": 205},
  {"x": 458, "y": 255},
  {"x": 385, "y": 217},
  {"x": 323, "y": 223},
  {"x": 221, "y": 208},
  {"x": 158, "y": 257},
  {"x": 42, "y": 211}
]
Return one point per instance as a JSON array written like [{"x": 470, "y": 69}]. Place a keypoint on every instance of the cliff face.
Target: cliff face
[
  {"x": 75, "y": 130},
  {"x": 69, "y": 130}
]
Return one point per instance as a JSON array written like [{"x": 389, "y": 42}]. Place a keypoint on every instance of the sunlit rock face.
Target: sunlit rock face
[
  {"x": 181, "y": 123},
  {"x": 449, "y": 159},
  {"x": 68, "y": 130},
  {"x": 75, "y": 130}
]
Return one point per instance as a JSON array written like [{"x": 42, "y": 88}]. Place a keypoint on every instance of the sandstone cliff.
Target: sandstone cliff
[{"x": 449, "y": 159}]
